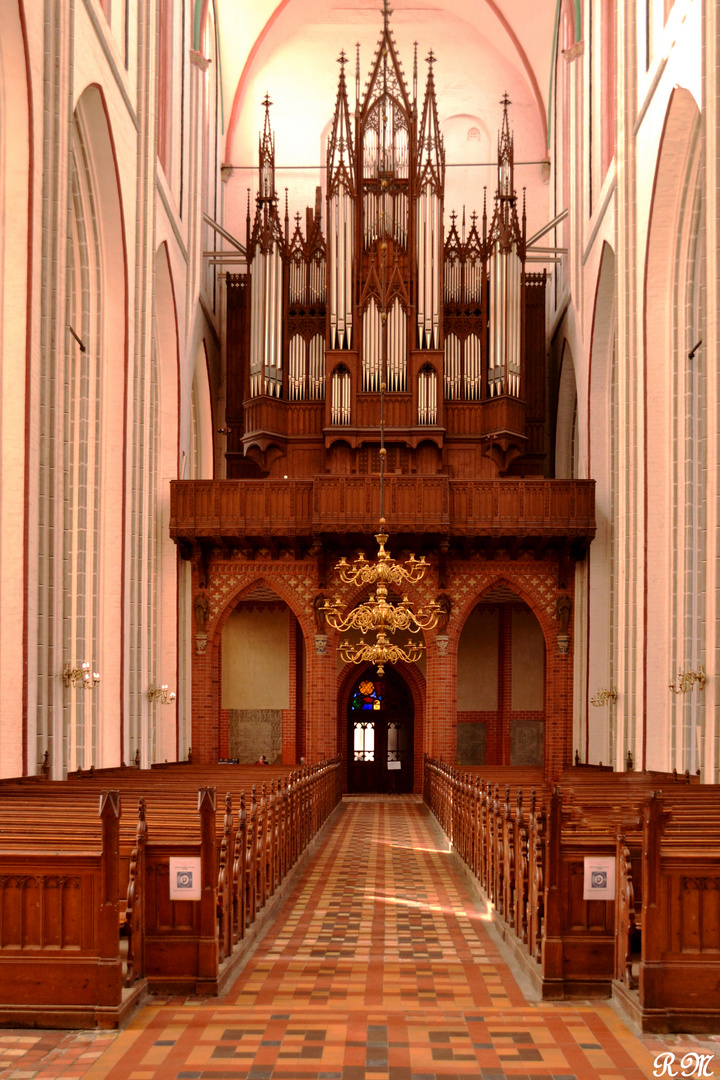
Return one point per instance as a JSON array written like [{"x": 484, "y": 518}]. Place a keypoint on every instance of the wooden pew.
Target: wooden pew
[
  {"x": 527, "y": 843},
  {"x": 677, "y": 986},
  {"x": 60, "y": 964},
  {"x": 245, "y": 853}
]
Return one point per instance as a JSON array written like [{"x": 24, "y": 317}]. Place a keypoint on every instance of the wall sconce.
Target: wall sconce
[
  {"x": 161, "y": 695},
  {"x": 603, "y": 696},
  {"x": 80, "y": 676},
  {"x": 688, "y": 679}
]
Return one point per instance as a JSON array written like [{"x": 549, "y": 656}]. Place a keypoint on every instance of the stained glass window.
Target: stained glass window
[{"x": 368, "y": 695}]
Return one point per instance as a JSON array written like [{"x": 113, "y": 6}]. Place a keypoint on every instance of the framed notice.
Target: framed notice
[
  {"x": 599, "y": 880},
  {"x": 184, "y": 879},
  {"x": 394, "y": 764}
]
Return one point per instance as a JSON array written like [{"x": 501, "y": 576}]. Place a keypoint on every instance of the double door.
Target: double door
[{"x": 380, "y": 735}]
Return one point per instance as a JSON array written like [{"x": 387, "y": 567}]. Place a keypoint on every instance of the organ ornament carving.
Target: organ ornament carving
[{"x": 306, "y": 325}]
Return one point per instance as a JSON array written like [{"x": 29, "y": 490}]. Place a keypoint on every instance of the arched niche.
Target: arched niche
[
  {"x": 263, "y": 678},
  {"x": 501, "y": 683}
]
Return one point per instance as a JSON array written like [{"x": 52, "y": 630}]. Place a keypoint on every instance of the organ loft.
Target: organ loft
[{"x": 381, "y": 303}]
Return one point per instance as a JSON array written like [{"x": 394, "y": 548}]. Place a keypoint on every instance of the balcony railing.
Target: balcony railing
[{"x": 234, "y": 509}]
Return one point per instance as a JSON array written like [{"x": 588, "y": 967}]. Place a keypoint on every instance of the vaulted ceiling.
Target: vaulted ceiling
[{"x": 289, "y": 49}]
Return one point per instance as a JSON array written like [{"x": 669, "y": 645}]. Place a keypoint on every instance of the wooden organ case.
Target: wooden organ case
[{"x": 465, "y": 322}]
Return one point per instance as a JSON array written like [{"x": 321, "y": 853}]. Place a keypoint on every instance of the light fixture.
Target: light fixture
[
  {"x": 603, "y": 696},
  {"x": 377, "y": 614},
  {"x": 688, "y": 679},
  {"x": 160, "y": 694},
  {"x": 81, "y": 676}
]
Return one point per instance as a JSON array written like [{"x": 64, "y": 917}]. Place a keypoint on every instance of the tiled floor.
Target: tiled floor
[{"x": 379, "y": 967}]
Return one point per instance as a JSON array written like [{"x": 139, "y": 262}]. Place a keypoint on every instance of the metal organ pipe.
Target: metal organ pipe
[
  {"x": 504, "y": 362},
  {"x": 273, "y": 321},
  {"x": 429, "y": 263},
  {"x": 296, "y": 374},
  {"x": 427, "y": 397},
  {"x": 397, "y": 347},
  {"x": 317, "y": 367},
  {"x": 372, "y": 347},
  {"x": 340, "y": 397},
  {"x": 473, "y": 368},
  {"x": 340, "y": 232},
  {"x": 257, "y": 278},
  {"x": 452, "y": 367}
]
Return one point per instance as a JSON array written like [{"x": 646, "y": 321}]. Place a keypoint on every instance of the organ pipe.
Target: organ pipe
[{"x": 340, "y": 227}]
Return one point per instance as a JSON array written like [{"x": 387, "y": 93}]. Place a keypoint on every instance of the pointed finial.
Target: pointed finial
[
  {"x": 505, "y": 101},
  {"x": 267, "y": 102},
  {"x": 415, "y": 68},
  {"x": 453, "y": 218},
  {"x": 431, "y": 58},
  {"x": 342, "y": 61},
  {"x": 463, "y": 224},
  {"x": 357, "y": 73},
  {"x": 387, "y": 12}
]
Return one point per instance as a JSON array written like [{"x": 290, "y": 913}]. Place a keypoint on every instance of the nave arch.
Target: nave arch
[
  {"x": 76, "y": 525},
  {"x": 674, "y": 323},
  {"x": 597, "y": 740}
]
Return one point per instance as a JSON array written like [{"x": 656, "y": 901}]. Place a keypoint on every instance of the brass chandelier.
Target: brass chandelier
[{"x": 378, "y": 615}]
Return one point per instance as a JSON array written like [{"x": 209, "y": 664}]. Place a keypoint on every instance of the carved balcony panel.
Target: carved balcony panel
[{"x": 535, "y": 511}]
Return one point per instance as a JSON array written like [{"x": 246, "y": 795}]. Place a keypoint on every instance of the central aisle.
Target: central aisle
[{"x": 378, "y": 967}]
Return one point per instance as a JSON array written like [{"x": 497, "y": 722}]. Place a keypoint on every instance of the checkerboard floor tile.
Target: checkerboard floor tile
[{"x": 378, "y": 967}]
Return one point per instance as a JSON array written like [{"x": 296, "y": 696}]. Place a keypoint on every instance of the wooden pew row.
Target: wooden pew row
[
  {"x": 245, "y": 853},
  {"x": 667, "y": 976},
  {"x": 60, "y": 964},
  {"x": 528, "y": 848}
]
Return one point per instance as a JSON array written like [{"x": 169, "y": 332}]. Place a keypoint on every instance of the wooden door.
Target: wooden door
[{"x": 380, "y": 734}]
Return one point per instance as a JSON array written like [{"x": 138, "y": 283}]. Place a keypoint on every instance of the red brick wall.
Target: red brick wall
[{"x": 318, "y": 729}]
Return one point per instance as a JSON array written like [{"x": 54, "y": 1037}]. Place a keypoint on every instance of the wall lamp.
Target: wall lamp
[
  {"x": 81, "y": 676},
  {"x": 687, "y": 679},
  {"x": 603, "y": 696},
  {"x": 161, "y": 695}
]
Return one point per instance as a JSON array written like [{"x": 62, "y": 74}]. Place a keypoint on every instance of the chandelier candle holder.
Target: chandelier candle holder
[
  {"x": 377, "y": 615},
  {"x": 81, "y": 676}
]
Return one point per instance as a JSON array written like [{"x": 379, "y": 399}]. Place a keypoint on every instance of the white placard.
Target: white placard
[
  {"x": 394, "y": 764},
  {"x": 599, "y": 880},
  {"x": 184, "y": 879}
]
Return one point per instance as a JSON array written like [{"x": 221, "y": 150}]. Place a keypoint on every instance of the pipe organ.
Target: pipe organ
[{"x": 444, "y": 311}]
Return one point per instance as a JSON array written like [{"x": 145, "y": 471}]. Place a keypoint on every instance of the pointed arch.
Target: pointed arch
[
  {"x": 675, "y": 425},
  {"x": 598, "y": 741}
]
